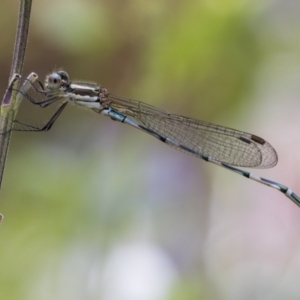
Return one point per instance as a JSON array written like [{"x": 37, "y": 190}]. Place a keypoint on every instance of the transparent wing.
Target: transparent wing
[{"x": 224, "y": 144}]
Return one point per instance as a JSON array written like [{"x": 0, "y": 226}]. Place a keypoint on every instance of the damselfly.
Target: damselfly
[{"x": 220, "y": 145}]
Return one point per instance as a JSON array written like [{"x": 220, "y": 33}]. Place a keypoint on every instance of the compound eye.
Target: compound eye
[
  {"x": 63, "y": 75},
  {"x": 54, "y": 81}
]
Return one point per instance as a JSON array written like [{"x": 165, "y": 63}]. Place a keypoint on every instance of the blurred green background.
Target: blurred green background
[{"x": 97, "y": 210}]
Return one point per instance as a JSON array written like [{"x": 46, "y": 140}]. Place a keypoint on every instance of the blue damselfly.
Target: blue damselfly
[{"x": 225, "y": 147}]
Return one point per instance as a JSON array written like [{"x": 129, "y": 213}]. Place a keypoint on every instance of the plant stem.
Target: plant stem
[{"x": 10, "y": 103}]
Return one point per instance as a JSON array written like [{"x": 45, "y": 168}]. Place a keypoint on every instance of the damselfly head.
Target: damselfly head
[{"x": 56, "y": 80}]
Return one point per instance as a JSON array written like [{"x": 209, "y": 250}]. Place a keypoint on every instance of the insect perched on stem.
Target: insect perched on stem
[{"x": 225, "y": 147}]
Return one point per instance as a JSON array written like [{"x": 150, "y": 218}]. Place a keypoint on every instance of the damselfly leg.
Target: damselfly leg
[{"x": 39, "y": 96}]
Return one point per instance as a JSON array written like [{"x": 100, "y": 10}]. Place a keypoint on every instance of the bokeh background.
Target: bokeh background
[{"x": 97, "y": 210}]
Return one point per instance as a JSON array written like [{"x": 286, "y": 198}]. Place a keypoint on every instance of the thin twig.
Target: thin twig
[{"x": 10, "y": 103}]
